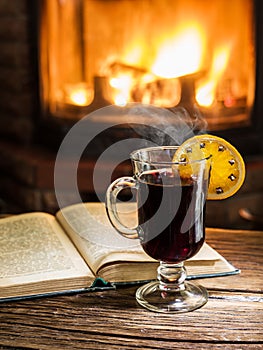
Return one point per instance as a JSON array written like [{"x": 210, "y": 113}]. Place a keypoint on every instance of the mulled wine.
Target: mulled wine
[
  {"x": 171, "y": 219},
  {"x": 171, "y": 197}
]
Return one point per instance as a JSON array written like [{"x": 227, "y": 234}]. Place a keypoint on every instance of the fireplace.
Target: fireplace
[
  {"x": 165, "y": 53},
  {"x": 95, "y": 53},
  {"x": 47, "y": 87}
]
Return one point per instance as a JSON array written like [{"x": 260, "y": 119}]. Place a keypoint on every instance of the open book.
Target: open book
[{"x": 78, "y": 250}]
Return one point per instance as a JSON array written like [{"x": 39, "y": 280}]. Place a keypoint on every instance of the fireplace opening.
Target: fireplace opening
[{"x": 95, "y": 53}]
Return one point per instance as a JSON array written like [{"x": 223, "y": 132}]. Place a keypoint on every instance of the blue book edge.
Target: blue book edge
[{"x": 100, "y": 285}]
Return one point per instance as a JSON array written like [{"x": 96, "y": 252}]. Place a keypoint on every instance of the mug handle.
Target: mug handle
[{"x": 111, "y": 199}]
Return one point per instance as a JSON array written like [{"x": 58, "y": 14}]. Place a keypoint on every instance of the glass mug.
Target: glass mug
[{"x": 171, "y": 198}]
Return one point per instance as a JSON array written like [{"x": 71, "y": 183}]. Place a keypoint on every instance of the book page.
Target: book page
[
  {"x": 34, "y": 248},
  {"x": 99, "y": 243}
]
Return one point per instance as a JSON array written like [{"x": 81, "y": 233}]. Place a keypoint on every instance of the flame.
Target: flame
[
  {"x": 79, "y": 97},
  {"x": 206, "y": 93},
  {"x": 79, "y": 94},
  {"x": 122, "y": 85},
  {"x": 134, "y": 53},
  {"x": 178, "y": 55},
  {"x": 181, "y": 54}
]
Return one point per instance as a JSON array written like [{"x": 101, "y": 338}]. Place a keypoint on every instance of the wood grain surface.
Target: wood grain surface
[{"x": 232, "y": 318}]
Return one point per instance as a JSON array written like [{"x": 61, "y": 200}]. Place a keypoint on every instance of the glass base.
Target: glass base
[{"x": 190, "y": 297}]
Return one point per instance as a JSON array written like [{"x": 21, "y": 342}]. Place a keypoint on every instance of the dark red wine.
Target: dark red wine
[{"x": 171, "y": 216}]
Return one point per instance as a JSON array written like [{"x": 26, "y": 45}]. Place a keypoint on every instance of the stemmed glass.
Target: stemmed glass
[{"x": 171, "y": 198}]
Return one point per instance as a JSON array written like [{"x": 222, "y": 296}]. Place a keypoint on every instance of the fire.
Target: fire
[
  {"x": 206, "y": 93},
  {"x": 78, "y": 94},
  {"x": 165, "y": 53},
  {"x": 177, "y": 55},
  {"x": 122, "y": 86},
  {"x": 181, "y": 54},
  {"x": 79, "y": 97}
]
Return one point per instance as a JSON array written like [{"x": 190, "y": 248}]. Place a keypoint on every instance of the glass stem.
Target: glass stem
[{"x": 171, "y": 276}]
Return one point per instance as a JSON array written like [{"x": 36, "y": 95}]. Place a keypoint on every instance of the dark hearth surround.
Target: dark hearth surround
[{"x": 26, "y": 178}]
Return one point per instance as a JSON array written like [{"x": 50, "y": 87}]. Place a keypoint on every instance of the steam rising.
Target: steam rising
[{"x": 165, "y": 127}]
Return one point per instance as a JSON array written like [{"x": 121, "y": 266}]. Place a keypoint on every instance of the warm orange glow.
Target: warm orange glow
[
  {"x": 181, "y": 54},
  {"x": 79, "y": 97},
  {"x": 134, "y": 53},
  {"x": 177, "y": 55},
  {"x": 140, "y": 74},
  {"x": 78, "y": 94},
  {"x": 220, "y": 60},
  {"x": 206, "y": 92},
  {"x": 122, "y": 85},
  {"x": 159, "y": 52}
]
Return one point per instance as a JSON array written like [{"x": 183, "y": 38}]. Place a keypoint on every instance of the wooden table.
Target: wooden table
[{"x": 232, "y": 318}]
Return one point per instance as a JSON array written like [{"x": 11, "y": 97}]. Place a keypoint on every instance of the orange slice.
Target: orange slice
[{"x": 227, "y": 165}]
